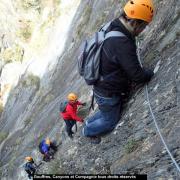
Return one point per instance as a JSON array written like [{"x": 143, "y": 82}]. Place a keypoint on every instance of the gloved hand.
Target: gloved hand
[
  {"x": 46, "y": 157},
  {"x": 83, "y": 104},
  {"x": 47, "y": 154}
]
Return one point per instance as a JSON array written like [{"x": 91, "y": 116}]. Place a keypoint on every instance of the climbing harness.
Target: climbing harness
[{"x": 154, "y": 119}]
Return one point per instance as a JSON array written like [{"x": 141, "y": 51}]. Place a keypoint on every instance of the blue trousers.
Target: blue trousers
[{"x": 106, "y": 119}]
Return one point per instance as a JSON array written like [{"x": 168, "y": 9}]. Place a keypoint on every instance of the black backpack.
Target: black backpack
[
  {"x": 90, "y": 54},
  {"x": 62, "y": 107}
]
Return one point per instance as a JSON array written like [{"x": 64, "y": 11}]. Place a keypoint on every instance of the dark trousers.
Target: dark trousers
[
  {"x": 51, "y": 152},
  {"x": 30, "y": 173},
  {"x": 69, "y": 126},
  {"x": 53, "y": 146}
]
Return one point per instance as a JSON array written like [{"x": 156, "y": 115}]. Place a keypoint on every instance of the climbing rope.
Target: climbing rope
[{"x": 152, "y": 114}]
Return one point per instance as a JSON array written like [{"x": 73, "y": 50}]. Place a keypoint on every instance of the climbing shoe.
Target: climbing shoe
[
  {"x": 95, "y": 139},
  {"x": 46, "y": 159},
  {"x": 71, "y": 136}
]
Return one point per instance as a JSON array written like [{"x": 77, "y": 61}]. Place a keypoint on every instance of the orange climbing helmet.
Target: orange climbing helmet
[
  {"x": 72, "y": 97},
  {"x": 139, "y": 9},
  {"x": 29, "y": 158}
]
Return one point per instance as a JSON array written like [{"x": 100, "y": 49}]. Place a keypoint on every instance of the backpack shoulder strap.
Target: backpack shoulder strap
[
  {"x": 114, "y": 34},
  {"x": 106, "y": 26}
]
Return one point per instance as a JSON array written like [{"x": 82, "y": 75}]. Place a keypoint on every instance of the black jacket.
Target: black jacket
[
  {"x": 119, "y": 63},
  {"x": 30, "y": 166}
]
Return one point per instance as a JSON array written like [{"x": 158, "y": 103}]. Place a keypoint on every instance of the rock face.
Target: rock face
[{"x": 32, "y": 109}]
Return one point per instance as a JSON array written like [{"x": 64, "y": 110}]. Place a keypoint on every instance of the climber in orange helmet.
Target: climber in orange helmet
[
  {"x": 30, "y": 166},
  {"x": 69, "y": 113},
  {"x": 120, "y": 68}
]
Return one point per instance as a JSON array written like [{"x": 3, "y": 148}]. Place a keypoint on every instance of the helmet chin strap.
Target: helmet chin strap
[
  {"x": 127, "y": 26},
  {"x": 133, "y": 27}
]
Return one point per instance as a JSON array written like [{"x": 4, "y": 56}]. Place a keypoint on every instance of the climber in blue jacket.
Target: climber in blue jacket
[{"x": 47, "y": 148}]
